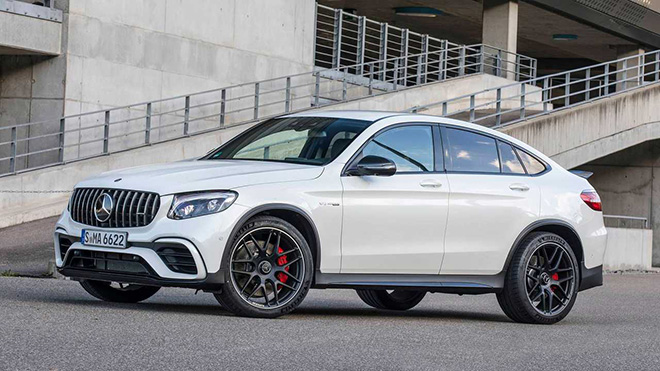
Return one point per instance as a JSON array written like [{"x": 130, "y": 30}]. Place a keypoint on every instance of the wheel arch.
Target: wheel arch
[
  {"x": 556, "y": 226},
  {"x": 292, "y": 214}
]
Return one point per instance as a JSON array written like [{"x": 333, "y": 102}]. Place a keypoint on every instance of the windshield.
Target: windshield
[{"x": 307, "y": 140}]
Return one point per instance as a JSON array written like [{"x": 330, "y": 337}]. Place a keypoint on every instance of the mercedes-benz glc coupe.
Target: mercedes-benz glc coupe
[{"x": 392, "y": 205}]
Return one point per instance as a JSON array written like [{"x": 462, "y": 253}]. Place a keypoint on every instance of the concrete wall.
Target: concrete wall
[
  {"x": 628, "y": 184},
  {"x": 31, "y": 89},
  {"x": 127, "y": 51},
  {"x": 628, "y": 249},
  {"x": 32, "y": 86}
]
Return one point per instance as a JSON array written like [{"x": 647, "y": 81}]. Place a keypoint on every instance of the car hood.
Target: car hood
[{"x": 200, "y": 175}]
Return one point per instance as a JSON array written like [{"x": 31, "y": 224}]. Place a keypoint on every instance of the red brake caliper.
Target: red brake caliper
[
  {"x": 555, "y": 277},
  {"x": 281, "y": 261}
]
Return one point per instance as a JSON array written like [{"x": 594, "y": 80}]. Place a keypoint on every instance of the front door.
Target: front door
[{"x": 396, "y": 224}]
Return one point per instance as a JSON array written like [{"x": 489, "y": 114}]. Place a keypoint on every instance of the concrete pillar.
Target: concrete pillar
[
  {"x": 500, "y": 30},
  {"x": 631, "y": 73}
]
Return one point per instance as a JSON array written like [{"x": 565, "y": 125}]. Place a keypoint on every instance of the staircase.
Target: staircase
[{"x": 352, "y": 65}]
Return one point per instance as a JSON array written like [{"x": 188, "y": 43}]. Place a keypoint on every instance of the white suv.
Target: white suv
[{"x": 392, "y": 205}]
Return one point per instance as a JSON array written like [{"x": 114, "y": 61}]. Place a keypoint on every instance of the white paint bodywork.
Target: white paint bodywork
[{"x": 466, "y": 226}]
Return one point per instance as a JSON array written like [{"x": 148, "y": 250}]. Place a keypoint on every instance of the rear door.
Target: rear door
[{"x": 492, "y": 200}]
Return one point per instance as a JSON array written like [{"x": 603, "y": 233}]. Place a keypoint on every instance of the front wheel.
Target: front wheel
[
  {"x": 118, "y": 292},
  {"x": 268, "y": 269},
  {"x": 541, "y": 284},
  {"x": 393, "y": 300}
]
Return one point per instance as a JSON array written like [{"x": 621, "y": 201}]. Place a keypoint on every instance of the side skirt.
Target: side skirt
[{"x": 450, "y": 284}]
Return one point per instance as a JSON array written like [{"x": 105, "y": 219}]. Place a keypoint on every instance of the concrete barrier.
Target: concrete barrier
[{"x": 628, "y": 249}]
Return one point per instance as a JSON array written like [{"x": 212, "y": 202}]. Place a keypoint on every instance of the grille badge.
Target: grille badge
[{"x": 103, "y": 207}]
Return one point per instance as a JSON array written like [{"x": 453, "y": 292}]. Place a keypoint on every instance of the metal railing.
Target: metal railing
[
  {"x": 623, "y": 221},
  {"x": 34, "y": 145},
  {"x": 511, "y": 103},
  {"x": 344, "y": 39}
]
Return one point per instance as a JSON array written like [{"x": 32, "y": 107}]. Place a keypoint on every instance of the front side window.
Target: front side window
[
  {"x": 471, "y": 152},
  {"x": 409, "y": 147},
  {"x": 306, "y": 140}
]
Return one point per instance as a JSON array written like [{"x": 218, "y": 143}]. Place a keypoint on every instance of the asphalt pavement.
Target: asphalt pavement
[
  {"x": 27, "y": 249},
  {"x": 53, "y": 324}
]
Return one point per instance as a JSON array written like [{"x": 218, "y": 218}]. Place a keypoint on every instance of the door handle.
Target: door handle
[
  {"x": 519, "y": 187},
  {"x": 430, "y": 183}
]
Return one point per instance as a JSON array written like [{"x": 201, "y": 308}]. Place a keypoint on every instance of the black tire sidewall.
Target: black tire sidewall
[
  {"x": 102, "y": 290},
  {"x": 381, "y": 299}
]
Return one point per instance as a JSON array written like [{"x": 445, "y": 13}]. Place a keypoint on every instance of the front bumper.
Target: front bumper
[{"x": 202, "y": 239}]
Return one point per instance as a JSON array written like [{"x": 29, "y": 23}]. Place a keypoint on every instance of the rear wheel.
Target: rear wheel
[
  {"x": 118, "y": 292},
  {"x": 269, "y": 269},
  {"x": 541, "y": 284},
  {"x": 392, "y": 300}
]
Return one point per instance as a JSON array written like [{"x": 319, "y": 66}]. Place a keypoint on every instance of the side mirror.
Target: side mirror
[{"x": 373, "y": 165}]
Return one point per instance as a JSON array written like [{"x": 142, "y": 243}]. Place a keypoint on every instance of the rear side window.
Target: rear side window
[
  {"x": 409, "y": 147},
  {"x": 510, "y": 162},
  {"x": 471, "y": 152},
  {"x": 532, "y": 165}
]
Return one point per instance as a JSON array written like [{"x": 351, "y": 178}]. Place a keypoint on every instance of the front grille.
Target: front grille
[
  {"x": 130, "y": 208},
  {"x": 178, "y": 259},
  {"x": 109, "y": 262}
]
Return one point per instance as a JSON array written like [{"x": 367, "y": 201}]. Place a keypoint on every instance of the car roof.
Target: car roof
[
  {"x": 377, "y": 115},
  {"x": 348, "y": 114}
]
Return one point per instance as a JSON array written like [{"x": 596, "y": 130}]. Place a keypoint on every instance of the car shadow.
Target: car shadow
[
  {"x": 313, "y": 310},
  {"x": 436, "y": 314},
  {"x": 301, "y": 313}
]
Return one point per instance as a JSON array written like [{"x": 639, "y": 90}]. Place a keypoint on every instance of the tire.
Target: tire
[
  {"x": 128, "y": 294},
  {"x": 396, "y": 300},
  {"x": 268, "y": 269},
  {"x": 541, "y": 284}
]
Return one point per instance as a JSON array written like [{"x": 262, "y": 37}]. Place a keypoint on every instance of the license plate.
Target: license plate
[{"x": 103, "y": 238}]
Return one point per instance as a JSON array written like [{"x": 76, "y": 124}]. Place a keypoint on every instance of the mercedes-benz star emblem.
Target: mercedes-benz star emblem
[{"x": 103, "y": 207}]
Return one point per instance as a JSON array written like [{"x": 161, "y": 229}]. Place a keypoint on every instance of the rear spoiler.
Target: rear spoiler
[{"x": 582, "y": 173}]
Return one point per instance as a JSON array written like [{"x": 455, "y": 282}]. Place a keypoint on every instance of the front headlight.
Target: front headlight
[{"x": 190, "y": 205}]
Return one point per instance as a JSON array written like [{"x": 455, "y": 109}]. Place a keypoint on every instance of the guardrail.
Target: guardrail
[
  {"x": 623, "y": 221},
  {"x": 553, "y": 92},
  {"x": 35, "y": 145},
  {"x": 345, "y": 39}
]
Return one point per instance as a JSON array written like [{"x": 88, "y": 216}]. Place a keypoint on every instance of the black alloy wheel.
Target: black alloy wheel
[
  {"x": 550, "y": 278},
  {"x": 269, "y": 269},
  {"x": 542, "y": 282}
]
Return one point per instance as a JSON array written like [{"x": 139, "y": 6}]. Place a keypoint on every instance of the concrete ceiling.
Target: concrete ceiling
[{"x": 461, "y": 22}]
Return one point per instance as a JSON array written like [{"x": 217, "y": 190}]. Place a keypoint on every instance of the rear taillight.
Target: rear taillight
[{"x": 591, "y": 198}]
